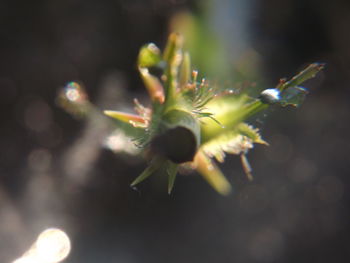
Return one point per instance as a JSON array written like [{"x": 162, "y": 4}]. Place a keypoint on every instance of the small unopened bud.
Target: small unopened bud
[{"x": 149, "y": 56}]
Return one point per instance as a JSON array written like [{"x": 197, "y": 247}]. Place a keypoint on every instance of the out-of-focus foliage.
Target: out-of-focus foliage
[{"x": 210, "y": 54}]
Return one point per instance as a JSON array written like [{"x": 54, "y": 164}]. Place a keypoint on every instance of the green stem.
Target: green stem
[
  {"x": 172, "y": 55},
  {"x": 230, "y": 119}
]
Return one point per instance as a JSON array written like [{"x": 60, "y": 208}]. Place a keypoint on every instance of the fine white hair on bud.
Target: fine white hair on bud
[{"x": 270, "y": 96}]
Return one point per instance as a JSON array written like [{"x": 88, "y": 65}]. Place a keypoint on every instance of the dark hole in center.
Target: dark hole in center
[{"x": 177, "y": 144}]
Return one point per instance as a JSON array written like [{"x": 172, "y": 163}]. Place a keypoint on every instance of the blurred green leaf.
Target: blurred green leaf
[{"x": 212, "y": 174}]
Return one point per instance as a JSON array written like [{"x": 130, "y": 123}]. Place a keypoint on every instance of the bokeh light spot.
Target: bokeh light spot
[
  {"x": 303, "y": 170},
  {"x": 74, "y": 92},
  {"x": 38, "y": 116},
  {"x": 39, "y": 160},
  {"x": 254, "y": 199},
  {"x": 330, "y": 189},
  {"x": 52, "y": 246},
  {"x": 281, "y": 149},
  {"x": 267, "y": 245}
]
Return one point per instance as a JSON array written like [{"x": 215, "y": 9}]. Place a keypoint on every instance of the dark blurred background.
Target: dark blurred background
[{"x": 53, "y": 172}]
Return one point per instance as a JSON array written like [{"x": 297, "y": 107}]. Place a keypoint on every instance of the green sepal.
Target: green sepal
[
  {"x": 171, "y": 169},
  {"x": 155, "y": 165}
]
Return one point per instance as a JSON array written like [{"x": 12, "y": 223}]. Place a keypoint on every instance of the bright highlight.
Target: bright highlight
[{"x": 52, "y": 246}]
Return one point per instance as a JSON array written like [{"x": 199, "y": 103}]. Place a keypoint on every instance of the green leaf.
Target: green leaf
[
  {"x": 306, "y": 74},
  {"x": 232, "y": 110},
  {"x": 293, "y": 94}
]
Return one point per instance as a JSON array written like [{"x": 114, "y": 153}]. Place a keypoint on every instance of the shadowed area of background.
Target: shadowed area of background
[{"x": 53, "y": 172}]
